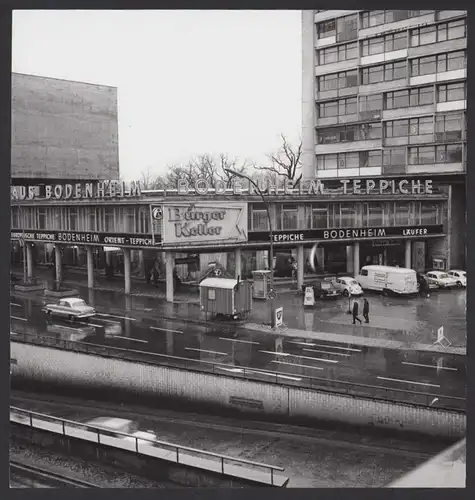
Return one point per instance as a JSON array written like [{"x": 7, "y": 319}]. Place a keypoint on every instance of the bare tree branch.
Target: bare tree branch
[{"x": 286, "y": 162}]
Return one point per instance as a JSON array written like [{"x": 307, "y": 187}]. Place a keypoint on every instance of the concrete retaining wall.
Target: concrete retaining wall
[{"x": 49, "y": 365}]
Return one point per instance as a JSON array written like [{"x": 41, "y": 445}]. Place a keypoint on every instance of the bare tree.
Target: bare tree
[
  {"x": 207, "y": 167},
  {"x": 286, "y": 162}
]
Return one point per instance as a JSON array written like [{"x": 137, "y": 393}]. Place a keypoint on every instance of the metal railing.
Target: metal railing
[
  {"x": 207, "y": 460},
  {"x": 373, "y": 392}
]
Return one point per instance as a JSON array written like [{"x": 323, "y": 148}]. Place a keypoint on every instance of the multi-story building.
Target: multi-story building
[{"x": 384, "y": 94}]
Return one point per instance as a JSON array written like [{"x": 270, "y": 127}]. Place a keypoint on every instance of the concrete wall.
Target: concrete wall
[
  {"x": 63, "y": 130},
  {"x": 76, "y": 369}
]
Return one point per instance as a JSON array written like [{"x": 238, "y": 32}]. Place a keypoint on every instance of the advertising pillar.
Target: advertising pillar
[
  {"x": 169, "y": 275},
  {"x": 356, "y": 258},
  {"x": 237, "y": 259},
  {"x": 57, "y": 255},
  {"x": 127, "y": 271},
  {"x": 29, "y": 260},
  {"x": 407, "y": 254},
  {"x": 300, "y": 266},
  {"x": 90, "y": 268}
]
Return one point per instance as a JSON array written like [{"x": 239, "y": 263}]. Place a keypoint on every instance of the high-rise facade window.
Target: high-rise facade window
[
  {"x": 452, "y": 92},
  {"x": 384, "y": 73}
]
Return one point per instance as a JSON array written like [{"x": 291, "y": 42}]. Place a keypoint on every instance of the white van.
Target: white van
[{"x": 387, "y": 279}]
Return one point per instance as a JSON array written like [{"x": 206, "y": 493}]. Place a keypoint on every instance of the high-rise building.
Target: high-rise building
[{"x": 384, "y": 96}]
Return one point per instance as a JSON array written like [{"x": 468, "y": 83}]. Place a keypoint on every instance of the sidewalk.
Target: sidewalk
[{"x": 389, "y": 327}]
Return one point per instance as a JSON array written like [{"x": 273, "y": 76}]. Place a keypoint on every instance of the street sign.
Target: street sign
[
  {"x": 309, "y": 299},
  {"x": 271, "y": 295},
  {"x": 279, "y": 316}
]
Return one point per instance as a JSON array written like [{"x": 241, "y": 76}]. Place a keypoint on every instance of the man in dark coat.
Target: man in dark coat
[
  {"x": 355, "y": 313},
  {"x": 366, "y": 310}
]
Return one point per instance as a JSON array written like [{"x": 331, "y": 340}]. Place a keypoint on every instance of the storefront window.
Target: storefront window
[
  {"x": 73, "y": 219},
  {"x": 129, "y": 219},
  {"x": 289, "y": 217},
  {"x": 259, "y": 218},
  {"x": 402, "y": 214},
  {"x": 429, "y": 213},
  {"x": 347, "y": 215},
  {"x": 109, "y": 219},
  {"x": 373, "y": 214},
  {"x": 41, "y": 218},
  {"x": 91, "y": 219},
  {"x": 320, "y": 217},
  {"x": 144, "y": 219},
  {"x": 15, "y": 217}
]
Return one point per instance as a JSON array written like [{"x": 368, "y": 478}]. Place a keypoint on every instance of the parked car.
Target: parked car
[
  {"x": 388, "y": 279},
  {"x": 442, "y": 279},
  {"x": 431, "y": 283},
  {"x": 347, "y": 285},
  {"x": 71, "y": 308},
  {"x": 325, "y": 289},
  {"x": 460, "y": 276}
]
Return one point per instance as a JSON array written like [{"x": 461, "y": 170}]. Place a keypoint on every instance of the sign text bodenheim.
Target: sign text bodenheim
[
  {"x": 87, "y": 190},
  {"x": 317, "y": 187}
]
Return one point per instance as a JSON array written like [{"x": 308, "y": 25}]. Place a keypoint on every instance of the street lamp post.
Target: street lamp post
[{"x": 271, "y": 243}]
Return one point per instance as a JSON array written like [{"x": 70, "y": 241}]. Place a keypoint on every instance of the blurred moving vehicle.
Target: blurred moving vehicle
[
  {"x": 113, "y": 426},
  {"x": 460, "y": 276},
  {"x": 347, "y": 285},
  {"x": 71, "y": 308},
  {"x": 442, "y": 279},
  {"x": 388, "y": 279}
]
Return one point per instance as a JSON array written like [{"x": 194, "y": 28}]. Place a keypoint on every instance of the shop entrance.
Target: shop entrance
[
  {"x": 335, "y": 258},
  {"x": 382, "y": 253}
]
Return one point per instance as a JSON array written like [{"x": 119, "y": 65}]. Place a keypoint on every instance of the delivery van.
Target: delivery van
[{"x": 387, "y": 279}]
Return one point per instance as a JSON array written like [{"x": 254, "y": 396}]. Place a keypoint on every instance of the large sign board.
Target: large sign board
[
  {"x": 83, "y": 237},
  {"x": 86, "y": 190},
  {"x": 347, "y": 233},
  {"x": 307, "y": 187},
  {"x": 204, "y": 222}
]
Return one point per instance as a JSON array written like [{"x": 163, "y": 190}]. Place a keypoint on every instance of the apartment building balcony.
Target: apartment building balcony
[
  {"x": 437, "y": 48},
  {"x": 436, "y": 168},
  {"x": 325, "y": 69},
  {"x": 342, "y": 147},
  {"x": 384, "y": 57},
  {"x": 398, "y": 25},
  {"x": 451, "y": 106},
  {"x": 457, "y": 74}
]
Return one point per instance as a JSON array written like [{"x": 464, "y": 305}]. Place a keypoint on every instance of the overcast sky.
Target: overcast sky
[{"x": 189, "y": 82}]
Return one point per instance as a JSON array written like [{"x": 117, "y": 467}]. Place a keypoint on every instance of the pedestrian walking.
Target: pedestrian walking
[
  {"x": 355, "y": 313},
  {"x": 366, "y": 310}
]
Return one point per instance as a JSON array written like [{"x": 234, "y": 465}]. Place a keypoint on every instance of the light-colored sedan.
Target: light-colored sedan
[
  {"x": 442, "y": 279},
  {"x": 460, "y": 276},
  {"x": 71, "y": 308},
  {"x": 116, "y": 427},
  {"x": 347, "y": 285}
]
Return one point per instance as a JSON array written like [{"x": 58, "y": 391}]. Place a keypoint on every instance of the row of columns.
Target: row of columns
[{"x": 353, "y": 265}]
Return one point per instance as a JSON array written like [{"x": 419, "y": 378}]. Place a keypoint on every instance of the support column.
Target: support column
[
  {"x": 90, "y": 267},
  {"x": 57, "y": 255},
  {"x": 237, "y": 261},
  {"x": 300, "y": 267},
  {"x": 407, "y": 254},
  {"x": 349, "y": 259},
  {"x": 356, "y": 258},
  {"x": 169, "y": 275},
  {"x": 29, "y": 260},
  {"x": 141, "y": 263},
  {"x": 126, "y": 252}
]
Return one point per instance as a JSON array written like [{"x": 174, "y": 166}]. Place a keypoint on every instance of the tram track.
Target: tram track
[{"x": 29, "y": 476}]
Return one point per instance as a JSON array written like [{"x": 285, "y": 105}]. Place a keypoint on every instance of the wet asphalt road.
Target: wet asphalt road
[
  {"x": 311, "y": 457},
  {"x": 391, "y": 373}
]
